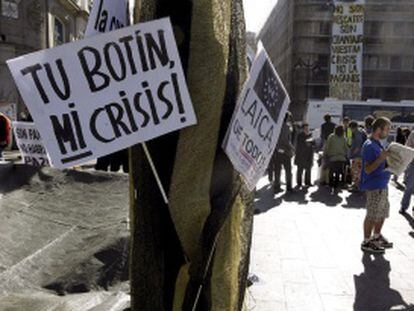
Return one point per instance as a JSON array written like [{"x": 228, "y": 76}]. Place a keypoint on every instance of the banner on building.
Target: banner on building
[
  {"x": 255, "y": 127},
  {"x": 93, "y": 97},
  {"x": 107, "y": 15},
  {"x": 345, "y": 81},
  {"x": 30, "y": 144}
]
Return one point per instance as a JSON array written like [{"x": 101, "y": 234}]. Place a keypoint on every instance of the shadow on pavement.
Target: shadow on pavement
[
  {"x": 324, "y": 195},
  {"x": 14, "y": 176},
  {"x": 265, "y": 200},
  {"x": 372, "y": 287},
  {"x": 355, "y": 200},
  {"x": 298, "y": 196}
]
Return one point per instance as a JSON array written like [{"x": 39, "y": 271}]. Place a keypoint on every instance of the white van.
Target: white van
[{"x": 400, "y": 113}]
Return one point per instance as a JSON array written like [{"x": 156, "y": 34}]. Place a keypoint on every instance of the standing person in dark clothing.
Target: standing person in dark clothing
[
  {"x": 406, "y": 133},
  {"x": 103, "y": 163},
  {"x": 327, "y": 128},
  {"x": 283, "y": 156},
  {"x": 304, "y": 156},
  {"x": 400, "y": 138}
]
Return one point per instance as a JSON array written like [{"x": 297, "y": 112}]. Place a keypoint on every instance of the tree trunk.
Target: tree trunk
[{"x": 210, "y": 212}]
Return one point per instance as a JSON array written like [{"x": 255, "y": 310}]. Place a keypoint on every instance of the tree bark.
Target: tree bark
[{"x": 210, "y": 210}]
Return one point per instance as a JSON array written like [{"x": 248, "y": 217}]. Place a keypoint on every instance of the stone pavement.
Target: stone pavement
[
  {"x": 63, "y": 232},
  {"x": 306, "y": 254}
]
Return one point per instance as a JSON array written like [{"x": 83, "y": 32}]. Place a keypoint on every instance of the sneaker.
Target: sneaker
[
  {"x": 372, "y": 247},
  {"x": 383, "y": 242}
]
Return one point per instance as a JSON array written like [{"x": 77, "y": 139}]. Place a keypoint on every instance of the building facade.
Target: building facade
[
  {"x": 297, "y": 36},
  {"x": 30, "y": 25}
]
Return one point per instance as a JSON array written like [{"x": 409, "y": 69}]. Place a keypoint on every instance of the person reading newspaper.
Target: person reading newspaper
[{"x": 374, "y": 181}]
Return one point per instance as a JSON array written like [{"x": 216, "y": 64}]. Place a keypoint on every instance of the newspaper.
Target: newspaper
[{"x": 399, "y": 159}]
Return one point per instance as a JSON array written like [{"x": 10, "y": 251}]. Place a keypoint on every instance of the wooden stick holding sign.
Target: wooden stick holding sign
[
  {"x": 154, "y": 171},
  {"x": 107, "y": 15}
]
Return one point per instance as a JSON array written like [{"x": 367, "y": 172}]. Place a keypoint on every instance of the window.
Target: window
[
  {"x": 59, "y": 32},
  {"x": 323, "y": 60},
  {"x": 319, "y": 92},
  {"x": 383, "y": 62},
  {"x": 392, "y": 94},
  {"x": 398, "y": 29},
  {"x": 373, "y": 62},
  {"x": 375, "y": 28},
  {"x": 395, "y": 63},
  {"x": 325, "y": 28},
  {"x": 368, "y": 92},
  {"x": 10, "y": 9}
]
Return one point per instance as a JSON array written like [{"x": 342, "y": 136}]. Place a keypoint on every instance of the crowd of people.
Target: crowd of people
[
  {"x": 352, "y": 156},
  {"x": 339, "y": 148}
]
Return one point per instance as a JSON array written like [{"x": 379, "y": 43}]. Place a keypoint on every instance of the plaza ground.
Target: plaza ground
[{"x": 306, "y": 254}]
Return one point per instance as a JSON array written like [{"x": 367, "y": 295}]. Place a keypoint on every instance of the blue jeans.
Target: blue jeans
[{"x": 409, "y": 188}]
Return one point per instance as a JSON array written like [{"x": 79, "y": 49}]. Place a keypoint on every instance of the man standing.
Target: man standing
[
  {"x": 304, "y": 156},
  {"x": 283, "y": 156},
  {"x": 374, "y": 180},
  {"x": 327, "y": 128},
  {"x": 4, "y": 133}
]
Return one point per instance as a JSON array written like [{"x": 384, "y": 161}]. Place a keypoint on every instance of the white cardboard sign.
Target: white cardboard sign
[
  {"x": 30, "y": 144},
  {"x": 255, "y": 127},
  {"x": 107, "y": 15},
  {"x": 108, "y": 92}
]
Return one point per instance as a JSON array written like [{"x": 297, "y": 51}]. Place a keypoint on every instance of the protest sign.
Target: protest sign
[
  {"x": 345, "y": 81},
  {"x": 30, "y": 144},
  {"x": 107, "y": 15},
  {"x": 96, "y": 96},
  {"x": 255, "y": 127}
]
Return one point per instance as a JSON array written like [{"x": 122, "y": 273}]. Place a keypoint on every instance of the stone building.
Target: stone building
[
  {"x": 297, "y": 36},
  {"x": 31, "y": 25}
]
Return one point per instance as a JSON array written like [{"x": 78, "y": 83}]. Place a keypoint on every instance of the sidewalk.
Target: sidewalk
[{"x": 306, "y": 254}]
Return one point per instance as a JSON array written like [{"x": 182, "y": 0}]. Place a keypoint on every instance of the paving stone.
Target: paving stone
[{"x": 315, "y": 248}]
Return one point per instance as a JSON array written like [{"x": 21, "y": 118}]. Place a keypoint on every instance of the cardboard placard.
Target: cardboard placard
[
  {"x": 30, "y": 144},
  {"x": 108, "y": 92},
  {"x": 255, "y": 127}
]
